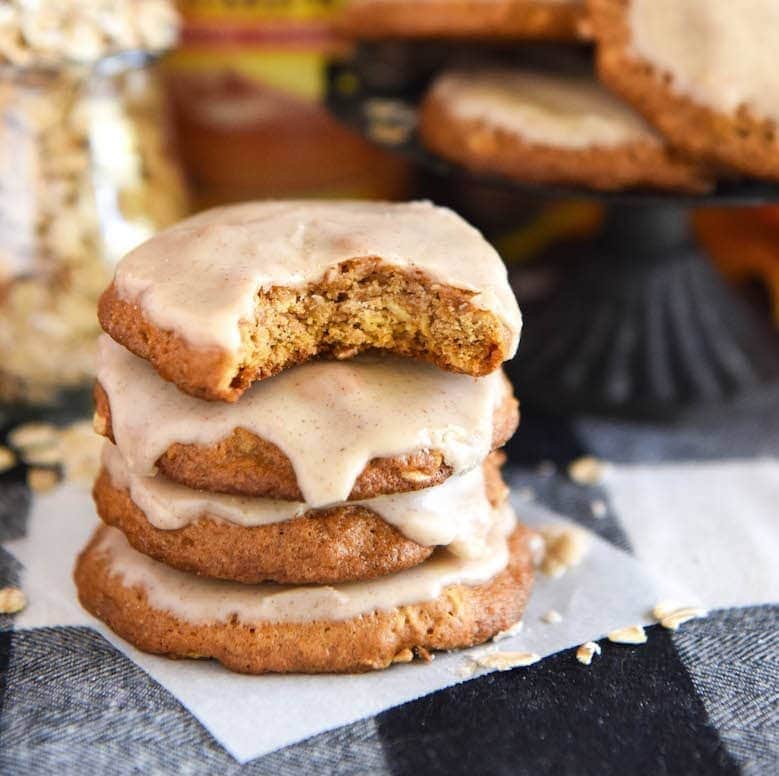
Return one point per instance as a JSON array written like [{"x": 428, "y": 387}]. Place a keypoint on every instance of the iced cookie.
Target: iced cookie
[
  {"x": 702, "y": 71},
  {"x": 238, "y": 294},
  {"x": 513, "y": 19},
  {"x": 444, "y": 603},
  {"x": 542, "y": 128},
  {"x": 254, "y": 540},
  {"x": 402, "y": 425}
]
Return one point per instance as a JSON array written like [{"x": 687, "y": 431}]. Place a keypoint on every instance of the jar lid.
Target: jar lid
[{"x": 54, "y": 32}]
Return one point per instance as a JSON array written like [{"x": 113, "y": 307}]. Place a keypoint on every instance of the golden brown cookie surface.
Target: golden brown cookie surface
[
  {"x": 739, "y": 138},
  {"x": 343, "y": 543},
  {"x": 245, "y": 464},
  {"x": 460, "y": 617},
  {"x": 532, "y": 127},
  {"x": 535, "y": 19}
]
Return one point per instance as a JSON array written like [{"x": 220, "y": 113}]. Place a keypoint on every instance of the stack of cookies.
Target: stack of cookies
[{"x": 304, "y": 405}]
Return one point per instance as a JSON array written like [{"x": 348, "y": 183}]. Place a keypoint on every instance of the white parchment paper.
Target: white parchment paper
[{"x": 251, "y": 716}]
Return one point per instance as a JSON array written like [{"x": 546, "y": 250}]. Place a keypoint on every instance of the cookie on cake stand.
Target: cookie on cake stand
[
  {"x": 538, "y": 127},
  {"x": 715, "y": 100}
]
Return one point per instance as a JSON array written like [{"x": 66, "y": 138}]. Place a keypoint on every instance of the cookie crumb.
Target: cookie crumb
[
  {"x": 552, "y": 617},
  {"x": 587, "y": 470},
  {"x": 12, "y": 600},
  {"x": 632, "y": 634},
  {"x": 30, "y": 435},
  {"x": 564, "y": 547},
  {"x": 471, "y": 663},
  {"x": 509, "y": 632},
  {"x": 7, "y": 459},
  {"x": 404, "y": 656},
  {"x": 664, "y": 608},
  {"x": 678, "y": 617},
  {"x": 48, "y": 455},
  {"x": 505, "y": 661},
  {"x": 598, "y": 508},
  {"x": 42, "y": 480},
  {"x": 344, "y": 353},
  {"x": 478, "y": 654},
  {"x": 466, "y": 669},
  {"x": 586, "y": 652},
  {"x": 80, "y": 448},
  {"x": 420, "y": 653}
]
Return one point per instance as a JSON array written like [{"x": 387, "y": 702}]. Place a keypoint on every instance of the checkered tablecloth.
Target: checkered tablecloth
[{"x": 703, "y": 699}]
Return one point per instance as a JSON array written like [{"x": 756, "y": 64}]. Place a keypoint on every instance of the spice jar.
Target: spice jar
[{"x": 86, "y": 173}]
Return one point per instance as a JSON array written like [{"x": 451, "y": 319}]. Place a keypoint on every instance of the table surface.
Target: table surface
[{"x": 704, "y": 699}]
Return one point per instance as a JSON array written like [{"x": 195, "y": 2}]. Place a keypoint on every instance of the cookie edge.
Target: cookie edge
[
  {"x": 735, "y": 142},
  {"x": 506, "y": 154},
  {"x": 462, "y": 616}
]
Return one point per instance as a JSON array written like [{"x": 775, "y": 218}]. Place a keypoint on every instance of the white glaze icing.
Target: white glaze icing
[
  {"x": 720, "y": 53},
  {"x": 198, "y": 599},
  {"x": 329, "y": 417},
  {"x": 200, "y": 277},
  {"x": 456, "y": 513},
  {"x": 570, "y": 112}
]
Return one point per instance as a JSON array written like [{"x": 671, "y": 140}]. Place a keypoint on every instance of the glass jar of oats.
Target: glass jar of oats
[{"x": 87, "y": 172}]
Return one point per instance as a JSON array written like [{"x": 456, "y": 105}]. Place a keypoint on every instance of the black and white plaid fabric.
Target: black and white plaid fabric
[{"x": 704, "y": 699}]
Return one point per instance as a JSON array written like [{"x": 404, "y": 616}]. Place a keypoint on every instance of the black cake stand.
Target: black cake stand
[{"x": 642, "y": 324}]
